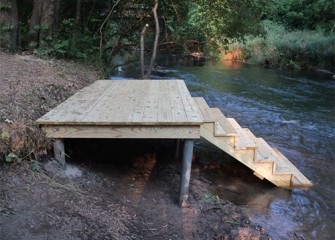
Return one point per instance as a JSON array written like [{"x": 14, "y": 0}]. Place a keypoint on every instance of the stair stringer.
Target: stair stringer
[{"x": 246, "y": 156}]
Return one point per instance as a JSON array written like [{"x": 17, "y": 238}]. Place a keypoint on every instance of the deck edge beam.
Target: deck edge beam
[{"x": 159, "y": 132}]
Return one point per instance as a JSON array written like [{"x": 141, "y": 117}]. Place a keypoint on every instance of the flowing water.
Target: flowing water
[{"x": 293, "y": 112}]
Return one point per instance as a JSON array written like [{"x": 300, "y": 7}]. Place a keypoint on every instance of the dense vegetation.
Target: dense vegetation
[
  {"x": 297, "y": 34},
  {"x": 294, "y": 33}
]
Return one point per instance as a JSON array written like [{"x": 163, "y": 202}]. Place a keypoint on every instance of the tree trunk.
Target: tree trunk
[
  {"x": 8, "y": 24},
  {"x": 48, "y": 20},
  {"x": 154, "y": 52},
  {"x": 142, "y": 49},
  {"x": 76, "y": 24},
  {"x": 103, "y": 25},
  {"x": 34, "y": 25},
  {"x": 43, "y": 22}
]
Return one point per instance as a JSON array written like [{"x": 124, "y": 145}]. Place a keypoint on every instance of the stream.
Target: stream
[{"x": 294, "y": 112}]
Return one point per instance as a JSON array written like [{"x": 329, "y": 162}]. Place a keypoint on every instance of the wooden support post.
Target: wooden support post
[
  {"x": 186, "y": 171},
  {"x": 177, "y": 152},
  {"x": 59, "y": 151}
]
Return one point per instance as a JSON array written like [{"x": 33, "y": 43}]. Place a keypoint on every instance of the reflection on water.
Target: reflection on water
[{"x": 295, "y": 113}]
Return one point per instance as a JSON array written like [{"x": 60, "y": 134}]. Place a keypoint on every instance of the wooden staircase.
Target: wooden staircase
[{"x": 255, "y": 153}]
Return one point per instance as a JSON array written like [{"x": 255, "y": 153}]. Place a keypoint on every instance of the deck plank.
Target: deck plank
[
  {"x": 126, "y": 102},
  {"x": 139, "y": 102},
  {"x": 178, "y": 112},
  {"x": 190, "y": 106},
  {"x": 150, "y": 113},
  {"x": 107, "y": 109},
  {"x": 164, "y": 104},
  {"x": 77, "y": 106}
]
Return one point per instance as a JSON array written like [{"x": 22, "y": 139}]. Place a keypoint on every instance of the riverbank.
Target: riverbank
[
  {"x": 110, "y": 192},
  {"x": 29, "y": 88},
  {"x": 279, "y": 47}
]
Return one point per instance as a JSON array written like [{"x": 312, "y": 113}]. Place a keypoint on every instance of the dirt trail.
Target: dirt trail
[{"x": 110, "y": 189}]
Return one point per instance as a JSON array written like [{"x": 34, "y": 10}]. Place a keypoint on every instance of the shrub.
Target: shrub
[{"x": 282, "y": 48}]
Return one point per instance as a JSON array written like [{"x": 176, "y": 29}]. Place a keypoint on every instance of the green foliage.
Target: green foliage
[
  {"x": 60, "y": 45},
  {"x": 215, "y": 22},
  {"x": 6, "y": 28},
  {"x": 13, "y": 158},
  {"x": 186, "y": 26},
  {"x": 4, "y": 6},
  {"x": 304, "y": 14},
  {"x": 297, "y": 49},
  {"x": 211, "y": 197},
  {"x": 35, "y": 166}
]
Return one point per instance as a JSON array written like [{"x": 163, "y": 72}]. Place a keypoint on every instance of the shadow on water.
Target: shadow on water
[{"x": 292, "y": 111}]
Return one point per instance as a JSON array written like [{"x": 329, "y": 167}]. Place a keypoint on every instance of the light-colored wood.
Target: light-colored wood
[
  {"x": 259, "y": 176},
  {"x": 264, "y": 153},
  {"x": 111, "y": 106},
  {"x": 59, "y": 151},
  {"x": 186, "y": 171},
  {"x": 164, "y": 109},
  {"x": 151, "y": 113},
  {"x": 204, "y": 109},
  {"x": 248, "y": 141},
  {"x": 78, "y": 105},
  {"x": 219, "y": 131},
  {"x": 161, "y": 132},
  {"x": 298, "y": 179},
  {"x": 224, "y": 123},
  {"x": 190, "y": 106},
  {"x": 227, "y": 144},
  {"x": 176, "y": 103},
  {"x": 243, "y": 138},
  {"x": 128, "y": 102},
  {"x": 267, "y": 166}
]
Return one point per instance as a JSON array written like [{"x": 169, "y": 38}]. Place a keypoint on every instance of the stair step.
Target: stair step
[
  {"x": 250, "y": 134},
  {"x": 222, "y": 124},
  {"x": 266, "y": 162},
  {"x": 282, "y": 164},
  {"x": 263, "y": 152},
  {"x": 243, "y": 138},
  {"x": 218, "y": 130},
  {"x": 204, "y": 109},
  {"x": 300, "y": 182},
  {"x": 298, "y": 179}
]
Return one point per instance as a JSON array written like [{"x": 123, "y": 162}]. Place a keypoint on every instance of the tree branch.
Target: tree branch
[
  {"x": 103, "y": 24},
  {"x": 153, "y": 57}
]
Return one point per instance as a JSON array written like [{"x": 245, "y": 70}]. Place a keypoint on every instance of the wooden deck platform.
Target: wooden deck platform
[
  {"x": 126, "y": 109},
  {"x": 163, "y": 109},
  {"x": 159, "y": 109}
]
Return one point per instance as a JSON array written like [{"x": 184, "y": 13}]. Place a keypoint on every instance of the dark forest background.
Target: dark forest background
[{"x": 291, "y": 33}]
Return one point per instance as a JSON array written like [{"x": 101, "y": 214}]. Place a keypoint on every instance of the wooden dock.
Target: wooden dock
[{"x": 163, "y": 109}]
